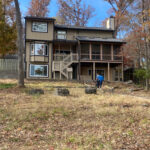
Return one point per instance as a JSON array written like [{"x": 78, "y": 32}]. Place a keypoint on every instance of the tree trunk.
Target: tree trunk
[
  {"x": 20, "y": 45},
  {"x": 145, "y": 45}
]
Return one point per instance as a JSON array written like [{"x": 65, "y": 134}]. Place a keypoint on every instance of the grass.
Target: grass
[
  {"x": 6, "y": 85},
  {"x": 77, "y": 122}
]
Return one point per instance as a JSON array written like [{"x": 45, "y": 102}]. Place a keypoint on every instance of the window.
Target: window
[
  {"x": 38, "y": 70},
  {"x": 118, "y": 75},
  {"x": 39, "y": 49},
  {"x": 61, "y": 35},
  {"x": 39, "y": 26}
]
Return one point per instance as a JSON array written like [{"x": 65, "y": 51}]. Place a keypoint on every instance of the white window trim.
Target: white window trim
[
  {"x": 33, "y": 44},
  {"x": 65, "y": 35},
  {"x": 39, "y": 23},
  {"x": 38, "y": 75}
]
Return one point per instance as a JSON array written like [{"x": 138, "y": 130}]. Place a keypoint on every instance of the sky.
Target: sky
[{"x": 101, "y": 10}]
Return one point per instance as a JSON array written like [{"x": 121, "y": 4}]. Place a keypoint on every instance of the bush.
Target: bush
[{"x": 142, "y": 75}]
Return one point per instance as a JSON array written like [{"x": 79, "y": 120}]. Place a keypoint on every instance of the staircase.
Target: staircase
[{"x": 63, "y": 66}]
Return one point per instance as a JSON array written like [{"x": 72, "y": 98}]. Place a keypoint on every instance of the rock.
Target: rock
[
  {"x": 126, "y": 106},
  {"x": 137, "y": 89},
  {"x": 90, "y": 90},
  {"x": 109, "y": 90},
  {"x": 62, "y": 92},
  {"x": 35, "y": 91},
  {"x": 129, "y": 82}
]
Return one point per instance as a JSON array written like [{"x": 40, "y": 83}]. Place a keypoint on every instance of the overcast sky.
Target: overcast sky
[{"x": 101, "y": 9}]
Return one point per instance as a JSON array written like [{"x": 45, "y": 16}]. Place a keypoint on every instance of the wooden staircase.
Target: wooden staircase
[{"x": 63, "y": 66}]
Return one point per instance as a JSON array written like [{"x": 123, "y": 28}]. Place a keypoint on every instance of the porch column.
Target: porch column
[
  {"x": 108, "y": 71},
  {"x": 54, "y": 75},
  {"x": 59, "y": 48},
  {"x": 101, "y": 51},
  {"x": 112, "y": 52},
  {"x": 93, "y": 70},
  {"x": 90, "y": 48},
  {"x": 122, "y": 72},
  {"x": 79, "y": 58}
]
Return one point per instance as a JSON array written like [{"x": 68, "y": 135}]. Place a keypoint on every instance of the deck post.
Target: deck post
[
  {"x": 112, "y": 52},
  {"x": 79, "y": 58},
  {"x": 108, "y": 71},
  {"x": 101, "y": 51},
  {"x": 93, "y": 70},
  {"x": 54, "y": 75},
  {"x": 122, "y": 72},
  {"x": 90, "y": 48}
]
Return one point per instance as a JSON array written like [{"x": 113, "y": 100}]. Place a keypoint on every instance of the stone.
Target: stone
[
  {"x": 126, "y": 106},
  {"x": 90, "y": 90},
  {"x": 62, "y": 92},
  {"x": 129, "y": 82},
  {"x": 35, "y": 91},
  {"x": 108, "y": 90}
]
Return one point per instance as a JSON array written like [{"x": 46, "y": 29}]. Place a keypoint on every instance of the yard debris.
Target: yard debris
[
  {"x": 146, "y": 105},
  {"x": 137, "y": 89},
  {"x": 90, "y": 90},
  {"x": 35, "y": 91},
  {"x": 108, "y": 89},
  {"x": 126, "y": 105},
  {"x": 129, "y": 82},
  {"x": 62, "y": 92}
]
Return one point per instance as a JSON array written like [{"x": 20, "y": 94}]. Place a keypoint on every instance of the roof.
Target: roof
[
  {"x": 82, "y": 28},
  {"x": 83, "y": 38},
  {"x": 39, "y": 18}
]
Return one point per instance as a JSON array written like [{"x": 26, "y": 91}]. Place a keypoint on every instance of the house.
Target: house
[{"x": 69, "y": 52}]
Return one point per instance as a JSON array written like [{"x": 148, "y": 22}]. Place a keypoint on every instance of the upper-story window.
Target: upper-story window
[
  {"x": 39, "y": 49},
  {"x": 39, "y": 27},
  {"x": 61, "y": 35}
]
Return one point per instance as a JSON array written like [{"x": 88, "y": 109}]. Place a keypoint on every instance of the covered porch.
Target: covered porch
[{"x": 110, "y": 71}]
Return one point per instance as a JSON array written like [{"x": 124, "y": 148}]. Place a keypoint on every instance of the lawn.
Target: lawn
[{"x": 78, "y": 122}]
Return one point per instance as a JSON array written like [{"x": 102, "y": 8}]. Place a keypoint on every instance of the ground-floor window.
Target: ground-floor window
[
  {"x": 118, "y": 75},
  {"x": 38, "y": 70}
]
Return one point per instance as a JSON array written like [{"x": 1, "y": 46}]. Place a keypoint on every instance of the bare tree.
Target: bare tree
[
  {"x": 20, "y": 45},
  {"x": 75, "y": 12},
  {"x": 119, "y": 8},
  {"x": 38, "y": 8}
]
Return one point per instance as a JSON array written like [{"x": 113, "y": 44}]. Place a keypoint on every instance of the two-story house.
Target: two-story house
[{"x": 69, "y": 52}]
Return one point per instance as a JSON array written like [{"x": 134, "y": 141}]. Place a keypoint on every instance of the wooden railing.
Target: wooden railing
[
  {"x": 99, "y": 57},
  {"x": 87, "y": 57},
  {"x": 65, "y": 58}
]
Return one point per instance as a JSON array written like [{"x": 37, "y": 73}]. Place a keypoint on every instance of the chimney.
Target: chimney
[{"x": 110, "y": 23}]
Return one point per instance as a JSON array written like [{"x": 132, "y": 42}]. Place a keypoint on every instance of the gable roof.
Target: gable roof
[{"x": 82, "y": 28}]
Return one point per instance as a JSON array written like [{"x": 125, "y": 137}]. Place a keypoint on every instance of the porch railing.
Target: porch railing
[
  {"x": 65, "y": 58},
  {"x": 87, "y": 57}
]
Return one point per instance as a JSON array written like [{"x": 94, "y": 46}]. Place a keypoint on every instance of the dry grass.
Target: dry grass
[{"x": 76, "y": 122}]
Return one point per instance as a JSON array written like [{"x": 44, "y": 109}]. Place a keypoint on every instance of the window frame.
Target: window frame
[
  {"x": 32, "y": 48},
  {"x": 38, "y": 75},
  {"x": 65, "y": 35},
  {"x": 39, "y": 22}
]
